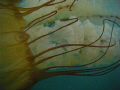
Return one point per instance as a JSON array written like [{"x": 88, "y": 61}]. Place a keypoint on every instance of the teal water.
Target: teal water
[{"x": 110, "y": 81}]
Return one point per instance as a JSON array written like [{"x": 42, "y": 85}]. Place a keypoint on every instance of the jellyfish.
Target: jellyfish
[{"x": 74, "y": 37}]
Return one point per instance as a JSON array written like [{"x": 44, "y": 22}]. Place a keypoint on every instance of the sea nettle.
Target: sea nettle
[{"x": 71, "y": 37}]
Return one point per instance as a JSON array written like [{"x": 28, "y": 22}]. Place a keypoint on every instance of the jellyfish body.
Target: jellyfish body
[{"x": 19, "y": 70}]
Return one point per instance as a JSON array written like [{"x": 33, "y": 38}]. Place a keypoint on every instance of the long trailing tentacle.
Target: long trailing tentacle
[
  {"x": 53, "y": 12},
  {"x": 34, "y": 21},
  {"x": 45, "y": 59},
  {"x": 32, "y": 58},
  {"x": 70, "y": 73},
  {"x": 79, "y": 72},
  {"x": 83, "y": 72},
  {"x": 61, "y": 54},
  {"x": 103, "y": 54},
  {"x": 50, "y": 4},
  {"x": 67, "y": 45},
  {"x": 71, "y": 5},
  {"x": 76, "y": 19},
  {"x": 30, "y": 10}
]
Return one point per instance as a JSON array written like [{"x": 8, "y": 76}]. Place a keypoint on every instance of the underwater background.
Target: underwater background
[{"x": 110, "y": 81}]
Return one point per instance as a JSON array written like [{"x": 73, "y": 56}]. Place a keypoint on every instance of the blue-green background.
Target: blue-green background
[{"x": 110, "y": 81}]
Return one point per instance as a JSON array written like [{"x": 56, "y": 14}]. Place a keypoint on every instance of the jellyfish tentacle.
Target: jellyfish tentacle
[
  {"x": 45, "y": 59},
  {"x": 50, "y": 4},
  {"x": 37, "y": 63},
  {"x": 30, "y": 10},
  {"x": 79, "y": 48},
  {"x": 89, "y": 72},
  {"x": 67, "y": 45},
  {"x": 94, "y": 71},
  {"x": 76, "y": 19},
  {"x": 34, "y": 23},
  {"x": 71, "y": 5},
  {"x": 45, "y": 69}
]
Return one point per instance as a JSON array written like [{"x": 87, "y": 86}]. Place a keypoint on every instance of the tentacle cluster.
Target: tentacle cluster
[{"x": 81, "y": 72}]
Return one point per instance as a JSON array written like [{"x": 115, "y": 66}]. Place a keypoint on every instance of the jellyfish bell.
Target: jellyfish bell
[{"x": 66, "y": 37}]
